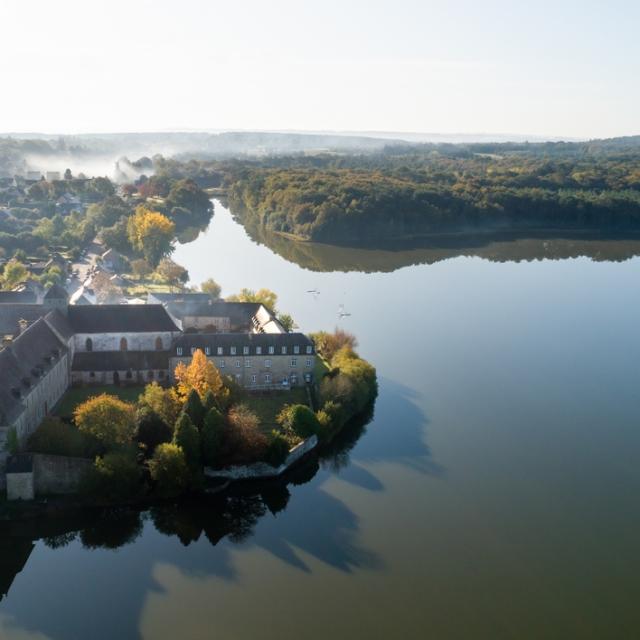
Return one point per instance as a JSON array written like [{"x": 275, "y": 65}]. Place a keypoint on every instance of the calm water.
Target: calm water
[{"x": 494, "y": 494}]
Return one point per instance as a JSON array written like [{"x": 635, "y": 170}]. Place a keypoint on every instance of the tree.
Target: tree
[
  {"x": 68, "y": 175},
  {"x": 168, "y": 469},
  {"x": 277, "y": 450},
  {"x": 115, "y": 477},
  {"x": 162, "y": 401},
  {"x": 172, "y": 273},
  {"x": 264, "y": 296},
  {"x": 187, "y": 437},
  {"x": 287, "y": 322},
  {"x": 194, "y": 408},
  {"x": 14, "y": 272},
  {"x": 151, "y": 429},
  {"x": 110, "y": 420},
  {"x": 186, "y": 195},
  {"x": 106, "y": 291},
  {"x": 245, "y": 442},
  {"x": 141, "y": 268},
  {"x": 151, "y": 233},
  {"x": 211, "y": 287},
  {"x": 298, "y": 420},
  {"x": 213, "y": 432},
  {"x": 209, "y": 401},
  {"x": 201, "y": 375},
  {"x": 328, "y": 344}
]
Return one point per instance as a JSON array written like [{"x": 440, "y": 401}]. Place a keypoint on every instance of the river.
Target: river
[{"x": 493, "y": 494}]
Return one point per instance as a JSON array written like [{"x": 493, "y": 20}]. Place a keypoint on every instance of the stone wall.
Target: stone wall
[
  {"x": 144, "y": 376},
  {"x": 135, "y": 341},
  {"x": 20, "y": 486},
  {"x": 261, "y": 470},
  {"x": 57, "y": 474},
  {"x": 260, "y": 372}
]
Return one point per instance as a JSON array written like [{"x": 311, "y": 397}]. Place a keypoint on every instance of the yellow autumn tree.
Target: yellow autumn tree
[
  {"x": 106, "y": 418},
  {"x": 201, "y": 375},
  {"x": 151, "y": 233}
]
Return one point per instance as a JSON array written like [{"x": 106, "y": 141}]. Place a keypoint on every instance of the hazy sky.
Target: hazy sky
[{"x": 558, "y": 68}]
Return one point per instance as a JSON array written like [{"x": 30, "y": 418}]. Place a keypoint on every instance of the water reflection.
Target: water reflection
[{"x": 496, "y": 247}]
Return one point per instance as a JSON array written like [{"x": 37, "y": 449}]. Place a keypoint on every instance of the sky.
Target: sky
[{"x": 542, "y": 68}]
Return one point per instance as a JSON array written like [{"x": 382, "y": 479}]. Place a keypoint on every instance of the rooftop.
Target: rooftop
[{"x": 120, "y": 318}]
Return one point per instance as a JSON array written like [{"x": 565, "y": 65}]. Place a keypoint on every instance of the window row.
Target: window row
[
  {"x": 258, "y": 351},
  {"x": 124, "y": 344},
  {"x": 267, "y": 363}
]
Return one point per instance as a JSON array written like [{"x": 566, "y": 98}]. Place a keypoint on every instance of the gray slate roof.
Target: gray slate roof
[
  {"x": 11, "y": 314},
  {"x": 21, "y": 297},
  {"x": 23, "y": 363},
  {"x": 120, "y": 318},
  {"x": 59, "y": 322},
  {"x": 241, "y": 340}
]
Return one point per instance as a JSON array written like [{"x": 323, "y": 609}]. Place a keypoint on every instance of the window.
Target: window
[
  {"x": 88, "y": 344},
  {"x": 128, "y": 375},
  {"x": 178, "y": 351},
  {"x": 221, "y": 364},
  {"x": 238, "y": 377},
  {"x": 245, "y": 351},
  {"x": 150, "y": 374},
  {"x": 207, "y": 351},
  {"x": 294, "y": 378},
  {"x": 192, "y": 350},
  {"x": 237, "y": 364},
  {"x": 267, "y": 364},
  {"x": 272, "y": 350},
  {"x": 123, "y": 344},
  {"x": 258, "y": 351},
  {"x": 247, "y": 362},
  {"x": 92, "y": 374},
  {"x": 294, "y": 362},
  {"x": 267, "y": 378},
  {"x": 220, "y": 351},
  {"x": 309, "y": 349},
  {"x": 284, "y": 351},
  {"x": 233, "y": 351},
  {"x": 159, "y": 345},
  {"x": 161, "y": 374},
  {"x": 254, "y": 378},
  {"x": 296, "y": 349},
  {"x": 307, "y": 362}
]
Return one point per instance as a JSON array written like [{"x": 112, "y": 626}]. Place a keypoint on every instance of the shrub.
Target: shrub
[
  {"x": 151, "y": 429},
  {"x": 116, "y": 477},
  {"x": 244, "y": 442},
  {"x": 187, "y": 437},
  {"x": 298, "y": 420},
  {"x": 277, "y": 449},
  {"x": 108, "y": 419},
  {"x": 213, "y": 433},
  {"x": 168, "y": 469},
  {"x": 58, "y": 438}
]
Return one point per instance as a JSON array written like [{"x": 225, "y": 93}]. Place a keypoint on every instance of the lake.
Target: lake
[{"x": 493, "y": 494}]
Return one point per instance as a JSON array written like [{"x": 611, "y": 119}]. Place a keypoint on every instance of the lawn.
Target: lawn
[
  {"x": 76, "y": 395},
  {"x": 267, "y": 404}
]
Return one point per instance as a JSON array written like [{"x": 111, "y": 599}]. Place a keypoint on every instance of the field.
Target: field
[{"x": 76, "y": 395}]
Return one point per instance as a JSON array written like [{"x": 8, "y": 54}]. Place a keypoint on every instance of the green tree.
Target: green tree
[
  {"x": 194, "y": 408},
  {"x": 298, "y": 420},
  {"x": 116, "y": 477},
  {"x": 162, "y": 401},
  {"x": 14, "y": 272},
  {"x": 264, "y": 296},
  {"x": 287, "y": 322},
  {"x": 213, "y": 432},
  {"x": 151, "y": 429},
  {"x": 169, "y": 471},
  {"x": 211, "y": 287},
  {"x": 187, "y": 437},
  {"x": 108, "y": 419}
]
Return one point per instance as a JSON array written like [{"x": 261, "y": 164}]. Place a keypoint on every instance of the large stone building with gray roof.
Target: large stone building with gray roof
[{"x": 50, "y": 345}]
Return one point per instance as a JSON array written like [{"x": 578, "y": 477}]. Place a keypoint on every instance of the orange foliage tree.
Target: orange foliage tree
[{"x": 201, "y": 375}]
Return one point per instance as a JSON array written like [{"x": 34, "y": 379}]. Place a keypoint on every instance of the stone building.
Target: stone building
[
  {"x": 254, "y": 360},
  {"x": 116, "y": 344}
]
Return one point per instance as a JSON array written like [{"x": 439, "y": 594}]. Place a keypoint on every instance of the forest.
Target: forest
[{"x": 406, "y": 191}]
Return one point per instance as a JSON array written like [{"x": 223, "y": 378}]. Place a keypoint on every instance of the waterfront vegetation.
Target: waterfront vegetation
[{"x": 156, "y": 441}]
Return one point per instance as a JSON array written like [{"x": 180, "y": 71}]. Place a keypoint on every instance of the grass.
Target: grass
[
  {"x": 267, "y": 405},
  {"x": 76, "y": 395}
]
